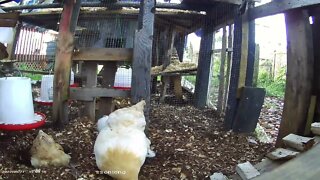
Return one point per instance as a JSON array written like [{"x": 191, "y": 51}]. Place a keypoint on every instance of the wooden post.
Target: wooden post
[
  {"x": 316, "y": 44},
  {"x": 141, "y": 76},
  {"x": 108, "y": 75},
  {"x": 229, "y": 56},
  {"x": 256, "y": 66},
  {"x": 180, "y": 41},
  {"x": 204, "y": 64},
  {"x": 63, "y": 60},
  {"x": 12, "y": 47},
  {"x": 234, "y": 75},
  {"x": 251, "y": 48},
  {"x": 89, "y": 70},
  {"x": 222, "y": 67},
  {"x": 167, "y": 45},
  {"x": 299, "y": 74}
]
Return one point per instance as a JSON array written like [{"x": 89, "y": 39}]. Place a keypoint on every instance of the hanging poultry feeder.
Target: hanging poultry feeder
[
  {"x": 123, "y": 79},
  {"x": 46, "y": 90},
  {"x": 16, "y": 106}
]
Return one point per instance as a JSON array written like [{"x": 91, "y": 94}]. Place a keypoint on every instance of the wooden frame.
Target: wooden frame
[{"x": 103, "y": 54}]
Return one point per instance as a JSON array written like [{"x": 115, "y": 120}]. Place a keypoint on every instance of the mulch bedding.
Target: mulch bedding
[{"x": 189, "y": 144}]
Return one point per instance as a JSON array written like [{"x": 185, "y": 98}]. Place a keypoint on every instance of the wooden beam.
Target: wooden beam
[
  {"x": 222, "y": 68},
  {"x": 299, "y": 74},
  {"x": 305, "y": 166},
  {"x": 63, "y": 60},
  {"x": 279, "y": 6},
  {"x": 88, "y": 94},
  {"x": 103, "y": 54},
  {"x": 204, "y": 64},
  {"x": 142, "y": 52}
]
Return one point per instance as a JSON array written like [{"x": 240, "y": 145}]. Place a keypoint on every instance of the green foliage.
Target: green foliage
[
  {"x": 274, "y": 86},
  {"x": 32, "y": 76}
]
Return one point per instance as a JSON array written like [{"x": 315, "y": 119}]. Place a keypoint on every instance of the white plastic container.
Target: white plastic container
[
  {"x": 46, "y": 91},
  {"x": 123, "y": 78},
  {"x": 16, "y": 104},
  {"x": 7, "y": 33}
]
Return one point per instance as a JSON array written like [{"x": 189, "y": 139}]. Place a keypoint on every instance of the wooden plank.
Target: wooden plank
[
  {"x": 300, "y": 61},
  {"x": 256, "y": 66},
  {"x": 248, "y": 110},
  {"x": 244, "y": 54},
  {"x": 108, "y": 76},
  {"x": 222, "y": 74},
  {"x": 299, "y": 143},
  {"x": 306, "y": 166},
  {"x": 141, "y": 66},
  {"x": 88, "y": 94},
  {"x": 226, "y": 90},
  {"x": 103, "y": 54},
  {"x": 11, "y": 48},
  {"x": 63, "y": 61},
  {"x": 7, "y": 23},
  {"x": 10, "y": 15},
  {"x": 234, "y": 75},
  {"x": 89, "y": 70},
  {"x": 279, "y": 6},
  {"x": 204, "y": 64}
]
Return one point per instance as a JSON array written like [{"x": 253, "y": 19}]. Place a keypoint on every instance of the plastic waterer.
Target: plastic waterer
[
  {"x": 123, "y": 78},
  {"x": 7, "y": 33},
  {"x": 16, "y": 104}
]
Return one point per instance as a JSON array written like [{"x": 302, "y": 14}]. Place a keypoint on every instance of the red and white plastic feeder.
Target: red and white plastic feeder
[{"x": 16, "y": 106}]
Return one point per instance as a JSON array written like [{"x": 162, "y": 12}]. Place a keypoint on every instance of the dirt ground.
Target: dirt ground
[{"x": 189, "y": 144}]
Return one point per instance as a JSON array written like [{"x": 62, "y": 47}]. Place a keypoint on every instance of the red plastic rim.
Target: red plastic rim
[
  {"x": 22, "y": 127},
  {"x": 43, "y": 103},
  {"x": 122, "y": 88}
]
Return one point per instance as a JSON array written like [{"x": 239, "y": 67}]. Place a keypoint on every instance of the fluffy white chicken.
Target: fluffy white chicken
[
  {"x": 122, "y": 146},
  {"x": 45, "y": 152}
]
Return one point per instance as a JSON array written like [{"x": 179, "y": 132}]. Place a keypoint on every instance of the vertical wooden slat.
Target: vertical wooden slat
[
  {"x": 63, "y": 60},
  {"x": 222, "y": 68},
  {"x": 204, "y": 64},
  {"x": 229, "y": 56},
  {"x": 234, "y": 75},
  {"x": 299, "y": 73},
  {"x": 12, "y": 47},
  {"x": 141, "y": 77},
  {"x": 251, "y": 49}
]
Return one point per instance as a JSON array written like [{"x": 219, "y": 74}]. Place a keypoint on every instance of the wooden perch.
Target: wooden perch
[
  {"x": 282, "y": 154},
  {"x": 299, "y": 143}
]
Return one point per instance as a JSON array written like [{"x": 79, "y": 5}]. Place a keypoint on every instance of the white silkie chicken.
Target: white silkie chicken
[{"x": 122, "y": 146}]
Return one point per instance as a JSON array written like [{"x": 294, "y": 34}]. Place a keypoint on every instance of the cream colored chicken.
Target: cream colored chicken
[
  {"x": 122, "y": 146},
  {"x": 45, "y": 152}
]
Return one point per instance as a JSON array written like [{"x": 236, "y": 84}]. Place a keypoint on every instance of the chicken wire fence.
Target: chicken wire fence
[{"x": 177, "y": 37}]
